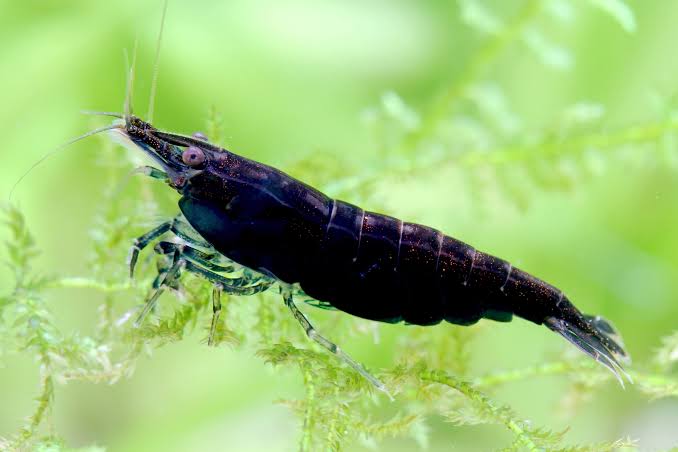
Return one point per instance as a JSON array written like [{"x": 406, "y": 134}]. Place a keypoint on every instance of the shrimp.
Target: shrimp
[{"x": 235, "y": 211}]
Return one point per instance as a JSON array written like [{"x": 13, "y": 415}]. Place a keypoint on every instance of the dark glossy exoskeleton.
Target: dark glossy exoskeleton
[{"x": 367, "y": 264}]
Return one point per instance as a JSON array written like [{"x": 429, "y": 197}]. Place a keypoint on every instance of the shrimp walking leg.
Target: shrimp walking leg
[
  {"x": 185, "y": 258},
  {"x": 182, "y": 229},
  {"x": 221, "y": 284},
  {"x": 327, "y": 344},
  {"x": 208, "y": 260},
  {"x": 142, "y": 242},
  {"x": 177, "y": 225},
  {"x": 231, "y": 286},
  {"x": 216, "y": 311},
  {"x": 177, "y": 264}
]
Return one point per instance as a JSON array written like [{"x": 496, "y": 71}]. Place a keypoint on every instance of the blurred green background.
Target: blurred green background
[{"x": 293, "y": 80}]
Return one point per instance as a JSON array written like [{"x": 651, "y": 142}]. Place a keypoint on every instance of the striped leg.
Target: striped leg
[
  {"x": 328, "y": 345},
  {"x": 205, "y": 265},
  {"x": 177, "y": 264},
  {"x": 177, "y": 225}
]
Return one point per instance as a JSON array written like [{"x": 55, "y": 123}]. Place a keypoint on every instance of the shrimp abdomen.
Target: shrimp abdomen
[{"x": 368, "y": 264}]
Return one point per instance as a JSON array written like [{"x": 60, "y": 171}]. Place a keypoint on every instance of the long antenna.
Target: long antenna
[
  {"x": 156, "y": 65},
  {"x": 103, "y": 113},
  {"x": 60, "y": 148},
  {"x": 130, "y": 79}
]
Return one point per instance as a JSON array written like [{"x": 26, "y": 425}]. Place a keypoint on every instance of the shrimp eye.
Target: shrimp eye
[{"x": 193, "y": 156}]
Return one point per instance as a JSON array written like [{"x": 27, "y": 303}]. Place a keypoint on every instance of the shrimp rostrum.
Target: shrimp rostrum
[{"x": 286, "y": 233}]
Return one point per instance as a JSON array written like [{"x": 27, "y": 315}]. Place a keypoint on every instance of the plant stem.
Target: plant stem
[{"x": 483, "y": 403}]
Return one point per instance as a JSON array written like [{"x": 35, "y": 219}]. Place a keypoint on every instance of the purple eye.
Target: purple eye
[{"x": 193, "y": 156}]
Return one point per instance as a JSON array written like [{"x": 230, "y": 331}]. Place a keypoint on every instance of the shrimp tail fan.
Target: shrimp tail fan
[{"x": 596, "y": 337}]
